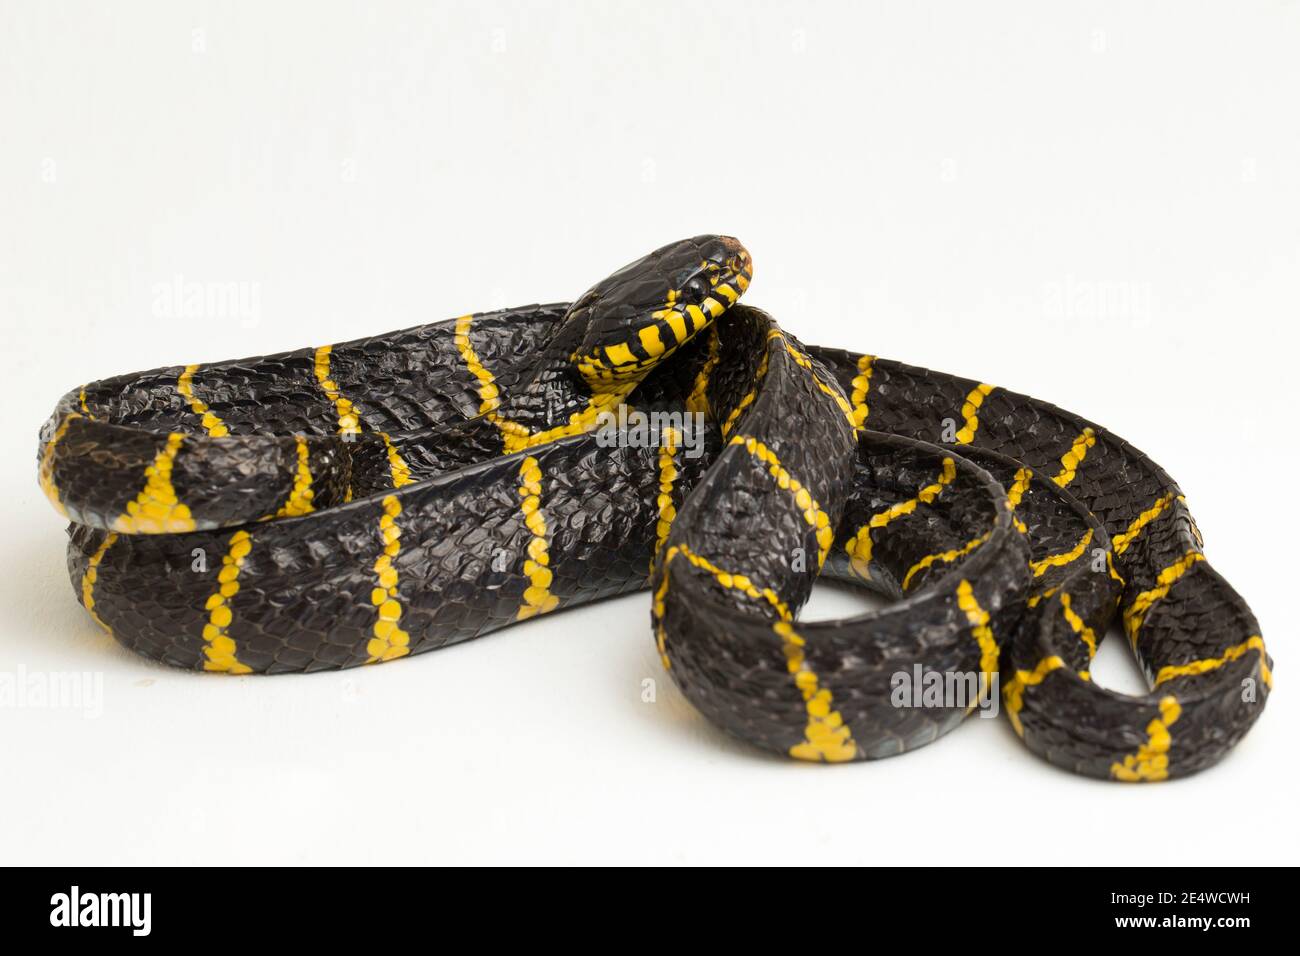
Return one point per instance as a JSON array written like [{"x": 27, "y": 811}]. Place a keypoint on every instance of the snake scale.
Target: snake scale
[{"x": 366, "y": 501}]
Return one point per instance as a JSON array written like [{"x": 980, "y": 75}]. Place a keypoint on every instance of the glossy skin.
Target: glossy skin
[{"x": 366, "y": 501}]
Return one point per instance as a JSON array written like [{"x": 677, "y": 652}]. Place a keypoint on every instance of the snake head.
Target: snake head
[{"x": 625, "y": 325}]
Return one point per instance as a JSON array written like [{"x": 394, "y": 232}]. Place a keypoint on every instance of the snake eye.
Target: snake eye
[{"x": 706, "y": 264}]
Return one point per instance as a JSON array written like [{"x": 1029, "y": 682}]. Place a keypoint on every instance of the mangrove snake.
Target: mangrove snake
[{"x": 360, "y": 502}]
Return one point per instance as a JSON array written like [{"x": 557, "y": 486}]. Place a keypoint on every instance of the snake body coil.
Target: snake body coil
[{"x": 365, "y": 501}]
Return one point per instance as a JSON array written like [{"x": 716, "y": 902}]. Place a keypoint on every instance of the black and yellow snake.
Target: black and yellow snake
[{"x": 365, "y": 501}]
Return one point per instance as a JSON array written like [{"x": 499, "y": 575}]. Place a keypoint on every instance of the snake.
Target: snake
[{"x": 365, "y": 501}]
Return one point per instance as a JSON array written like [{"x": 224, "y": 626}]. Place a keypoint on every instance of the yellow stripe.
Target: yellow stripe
[
  {"x": 727, "y": 579},
  {"x": 980, "y": 629},
  {"x": 1041, "y": 566},
  {"x": 724, "y": 578},
  {"x": 812, "y": 512},
  {"x": 538, "y": 598},
  {"x": 1078, "y": 626},
  {"x": 677, "y": 325},
  {"x": 488, "y": 393},
  {"x": 651, "y": 340},
  {"x": 156, "y": 509},
  {"x": 826, "y": 737},
  {"x": 1122, "y": 541},
  {"x": 698, "y": 400},
  {"x": 861, "y": 385},
  {"x": 301, "y": 495},
  {"x": 759, "y": 374},
  {"x": 970, "y": 412},
  {"x": 944, "y": 556},
  {"x": 91, "y": 576},
  {"x": 1255, "y": 643},
  {"x": 185, "y": 385},
  {"x": 859, "y": 548},
  {"x": 389, "y": 640},
  {"x": 47, "y": 464},
  {"x": 397, "y": 467},
  {"x": 1013, "y": 695},
  {"x": 804, "y": 362},
  {"x": 85, "y": 409},
  {"x": 667, "y": 476},
  {"x": 348, "y": 416},
  {"x": 659, "y": 608},
  {"x": 1151, "y": 762},
  {"x": 1035, "y": 599},
  {"x": 1071, "y": 460},
  {"x": 1020, "y": 485},
  {"x": 1136, "y": 614},
  {"x": 515, "y": 436},
  {"x": 1110, "y": 568},
  {"x": 219, "y": 646}
]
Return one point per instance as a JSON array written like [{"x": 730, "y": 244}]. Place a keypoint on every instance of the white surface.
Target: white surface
[{"x": 951, "y": 186}]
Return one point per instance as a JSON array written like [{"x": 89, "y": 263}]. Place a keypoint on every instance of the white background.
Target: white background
[{"x": 1096, "y": 203}]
